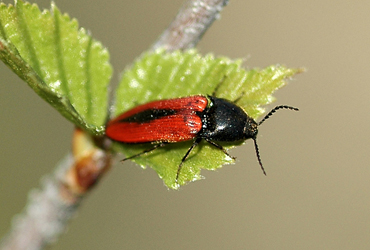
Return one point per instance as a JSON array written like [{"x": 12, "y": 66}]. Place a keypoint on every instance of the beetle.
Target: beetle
[{"x": 196, "y": 118}]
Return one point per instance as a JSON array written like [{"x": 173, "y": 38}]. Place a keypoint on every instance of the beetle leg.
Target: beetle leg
[
  {"x": 146, "y": 151},
  {"x": 221, "y": 148},
  {"x": 196, "y": 142},
  {"x": 218, "y": 86},
  {"x": 240, "y": 97}
]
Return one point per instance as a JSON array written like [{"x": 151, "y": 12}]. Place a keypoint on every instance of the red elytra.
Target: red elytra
[{"x": 172, "y": 120}]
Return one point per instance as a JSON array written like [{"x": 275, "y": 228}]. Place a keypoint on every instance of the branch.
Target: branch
[
  {"x": 50, "y": 208},
  {"x": 190, "y": 24}
]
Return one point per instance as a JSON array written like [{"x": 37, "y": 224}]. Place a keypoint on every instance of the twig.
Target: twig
[
  {"x": 50, "y": 208},
  {"x": 188, "y": 27},
  {"x": 43, "y": 207}
]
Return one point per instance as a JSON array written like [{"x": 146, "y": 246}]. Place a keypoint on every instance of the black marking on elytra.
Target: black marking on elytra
[{"x": 149, "y": 115}]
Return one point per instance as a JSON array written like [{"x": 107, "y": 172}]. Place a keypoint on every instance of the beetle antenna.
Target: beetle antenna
[
  {"x": 258, "y": 155},
  {"x": 276, "y": 109}
]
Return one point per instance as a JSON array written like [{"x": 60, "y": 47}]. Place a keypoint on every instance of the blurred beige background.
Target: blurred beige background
[{"x": 317, "y": 192}]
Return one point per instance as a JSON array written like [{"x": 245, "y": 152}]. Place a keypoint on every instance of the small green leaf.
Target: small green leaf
[
  {"x": 62, "y": 63},
  {"x": 162, "y": 75}
]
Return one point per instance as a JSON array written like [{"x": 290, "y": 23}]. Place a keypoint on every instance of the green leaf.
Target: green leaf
[
  {"x": 162, "y": 75},
  {"x": 61, "y": 62}
]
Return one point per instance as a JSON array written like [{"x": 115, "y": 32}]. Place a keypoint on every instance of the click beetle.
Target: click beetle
[{"x": 194, "y": 118}]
